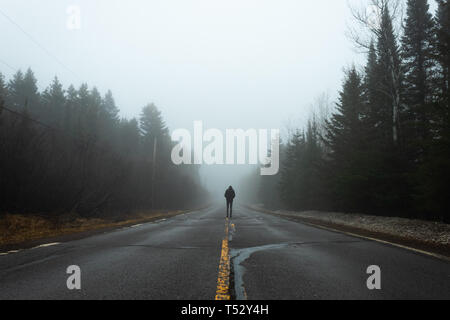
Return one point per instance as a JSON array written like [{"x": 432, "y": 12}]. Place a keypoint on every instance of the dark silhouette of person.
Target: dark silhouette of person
[{"x": 230, "y": 195}]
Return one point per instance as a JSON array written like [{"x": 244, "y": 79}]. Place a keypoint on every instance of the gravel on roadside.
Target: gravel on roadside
[{"x": 417, "y": 233}]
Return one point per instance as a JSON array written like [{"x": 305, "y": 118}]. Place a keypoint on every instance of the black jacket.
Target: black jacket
[{"x": 230, "y": 194}]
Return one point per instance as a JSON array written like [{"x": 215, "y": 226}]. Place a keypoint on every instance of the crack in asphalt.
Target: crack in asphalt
[{"x": 238, "y": 256}]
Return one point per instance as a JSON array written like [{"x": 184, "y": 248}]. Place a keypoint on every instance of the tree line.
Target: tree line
[
  {"x": 385, "y": 149},
  {"x": 69, "y": 151}
]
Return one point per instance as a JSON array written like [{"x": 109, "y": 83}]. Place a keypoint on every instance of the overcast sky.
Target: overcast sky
[{"x": 231, "y": 63}]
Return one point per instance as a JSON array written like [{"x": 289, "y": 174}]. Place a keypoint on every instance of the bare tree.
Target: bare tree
[{"x": 369, "y": 17}]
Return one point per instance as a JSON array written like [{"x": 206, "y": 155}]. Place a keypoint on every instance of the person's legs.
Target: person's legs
[
  {"x": 231, "y": 209},
  {"x": 228, "y": 207}
]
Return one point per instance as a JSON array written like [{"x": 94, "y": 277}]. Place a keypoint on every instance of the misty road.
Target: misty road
[{"x": 272, "y": 258}]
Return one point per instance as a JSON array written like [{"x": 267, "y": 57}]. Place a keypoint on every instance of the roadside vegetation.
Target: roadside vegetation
[
  {"x": 69, "y": 163},
  {"x": 18, "y": 229},
  {"x": 68, "y": 151},
  {"x": 384, "y": 148}
]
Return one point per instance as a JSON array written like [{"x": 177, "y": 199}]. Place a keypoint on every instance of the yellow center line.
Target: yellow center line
[{"x": 223, "y": 281}]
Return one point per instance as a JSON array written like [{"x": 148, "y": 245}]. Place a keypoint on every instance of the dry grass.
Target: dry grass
[{"x": 16, "y": 229}]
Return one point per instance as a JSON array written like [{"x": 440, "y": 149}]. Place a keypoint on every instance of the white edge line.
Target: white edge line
[
  {"x": 47, "y": 245},
  {"x": 435, "y": 255},
  {"x": 9, "y": 252},
  {"x": 57, "y": 243},
  {"x": 40, "y": 246}
]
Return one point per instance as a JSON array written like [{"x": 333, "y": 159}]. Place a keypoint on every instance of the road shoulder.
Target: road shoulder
[
  {"x": 72, "y": 236},
  {"x": 439, "y": 251}
]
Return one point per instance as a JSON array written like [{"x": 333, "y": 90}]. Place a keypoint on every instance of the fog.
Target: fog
[{"x": 231, "y": 64}]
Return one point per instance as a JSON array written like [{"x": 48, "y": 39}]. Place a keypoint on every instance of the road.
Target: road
[{"x": 271, "y": 258}]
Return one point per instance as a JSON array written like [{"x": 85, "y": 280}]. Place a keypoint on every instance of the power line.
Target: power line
[
  {"x": 28, "y": 118},
  {"x": 8, "y": 65},
  {"x": 49, "y": 127},
  {"x": 18, "y": 114},
  {"x": 30, "y": 37}
]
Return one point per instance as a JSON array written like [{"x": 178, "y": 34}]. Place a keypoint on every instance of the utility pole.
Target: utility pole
[{"x": 155, "y": 148}]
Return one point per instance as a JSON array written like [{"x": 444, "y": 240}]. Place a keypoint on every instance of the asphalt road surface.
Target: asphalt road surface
[{"x": 180, "y": 258}]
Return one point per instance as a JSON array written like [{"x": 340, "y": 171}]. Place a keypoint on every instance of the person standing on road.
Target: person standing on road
[{"x": 230, "y": 195}]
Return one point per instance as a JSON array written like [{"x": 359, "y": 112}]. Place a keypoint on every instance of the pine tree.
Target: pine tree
[
  {"x": 109, "y": 118},
  {"x": 156, "y": 149},
  {"x": 301, "y": 181},
  {"x": 24, "y": 94},
  {"x": 311, "y": 179},
  {"x": 390, "y": 82},
  {"x": 3, "y": 94},
  {"x": 289, "y": 182},
  {"x": 54, "y": 100},
  {"x": 129, "y": 137},
  {"x": 83, "y": 96},
  {"x": 374, "y": 115},
  {"x": 418, "y": 61},
  {"x": 15, "y": 99},
  {"x": 69, "y": 110},
  {"x": 31, "y": 92},
  {"x": 434, "y": 174},
  {"x": 345, "y": 127},
  {"x": 95, "y": 100},
  {"x": 371, "y": 83},
  {"x": 66, "y": 170},
  {"x": 153, "y": 127},
  {"x": 443, "y": 49},
  {"x": 3, "y": 91},
  {"x": 109, "y": 108},
  {"x": 347, "y": 139},
  {"x": 443, "y": 57},
  {"x": 93, "y": 114}
]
